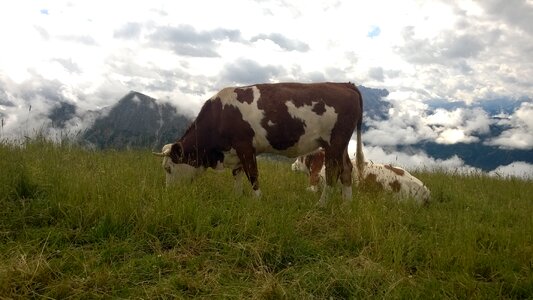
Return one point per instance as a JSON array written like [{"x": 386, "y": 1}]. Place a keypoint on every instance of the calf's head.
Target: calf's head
[
  {"x": 178, "y": 168},
  {"x": 299, "y": 165}
]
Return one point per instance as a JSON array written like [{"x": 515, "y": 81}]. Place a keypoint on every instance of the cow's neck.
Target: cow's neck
[{"x": 199, "y": 147}]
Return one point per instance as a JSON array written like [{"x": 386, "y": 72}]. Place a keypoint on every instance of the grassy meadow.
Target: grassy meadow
[{"x": 76, "y": 223}]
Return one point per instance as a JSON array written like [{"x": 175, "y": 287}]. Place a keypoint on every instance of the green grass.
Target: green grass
[{"x": 100, "y": 224}]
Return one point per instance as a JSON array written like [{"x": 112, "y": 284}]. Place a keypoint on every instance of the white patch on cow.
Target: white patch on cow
[
  {"x": 257, "y": 193},
  {"x": 320, "y": 128},
  {"x": 270, "y": 123},
  {"x": 250, "y": 113},
  {"x": 177, "y": 173}
]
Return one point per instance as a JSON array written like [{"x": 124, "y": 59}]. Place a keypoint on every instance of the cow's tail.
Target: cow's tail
[{"x": 359, "y": 156}]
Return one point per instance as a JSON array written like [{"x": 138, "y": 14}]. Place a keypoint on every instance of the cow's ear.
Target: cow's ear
[{"x": 176, "y": 153}]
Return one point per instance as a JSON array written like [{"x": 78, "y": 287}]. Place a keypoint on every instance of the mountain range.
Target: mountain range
[
  {"x": 136, "y": 121},
  {"x": 140, "y": 121}
]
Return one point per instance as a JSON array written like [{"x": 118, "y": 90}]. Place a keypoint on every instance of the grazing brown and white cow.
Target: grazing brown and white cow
[
  {"x": 384, "y": 177},
  {"x": 289, "y": 119}
]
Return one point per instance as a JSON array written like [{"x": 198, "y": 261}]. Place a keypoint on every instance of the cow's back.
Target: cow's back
[{"x": 291, "y": 118}]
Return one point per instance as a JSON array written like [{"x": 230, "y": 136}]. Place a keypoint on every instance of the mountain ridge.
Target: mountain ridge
[
  {"x": 137, "y": 121},
  {"x": 140, "y": 121}
]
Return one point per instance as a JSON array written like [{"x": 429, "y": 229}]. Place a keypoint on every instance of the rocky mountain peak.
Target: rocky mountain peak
[{"x": 137, "y": 121}]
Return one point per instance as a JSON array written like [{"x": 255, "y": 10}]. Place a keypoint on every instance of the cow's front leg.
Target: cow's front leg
[
  {"x": 237, "y": 185},
  {"x": 249, "y": 165}
]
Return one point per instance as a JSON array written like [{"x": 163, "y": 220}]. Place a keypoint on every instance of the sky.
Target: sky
[{"x": 91, "y": 53}]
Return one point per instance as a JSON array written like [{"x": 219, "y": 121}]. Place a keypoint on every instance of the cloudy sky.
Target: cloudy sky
[{"x": 91, "y": 53}]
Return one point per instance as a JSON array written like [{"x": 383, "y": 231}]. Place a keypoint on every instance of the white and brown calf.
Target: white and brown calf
[
  {"x": 383, "y": 177},
  {"x": 392, "y": 179}
]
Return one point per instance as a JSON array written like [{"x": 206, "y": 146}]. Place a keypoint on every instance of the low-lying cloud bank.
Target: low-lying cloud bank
[
  {"x": 420, "y": 161},
  {"x": 411, "y": 122}
]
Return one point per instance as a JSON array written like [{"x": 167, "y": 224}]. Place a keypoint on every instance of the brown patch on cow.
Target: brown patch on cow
[
  {"x": 397, "y": 171},
  {"x": 314, "y": 179},
  {"x": 318, "y": 160},
  {"x": 284, "y": 131},
  {"x": 319, "y": 108},
  {"x": 245, "y": 95},
  {"x": 371, "y": 183},
  {"x": 314, "y": 161},
  {"x": 396, "y": 186}
]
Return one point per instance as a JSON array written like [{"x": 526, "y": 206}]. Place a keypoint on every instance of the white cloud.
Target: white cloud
[
  {"x": 445, "y": 118},
  {"x": 413, "y": 161},
  {"x": 93, "y": 52},
  {"x": 89, "y": 32},
  {"x": 453, "y": 136},
  {"x": 404, "y": 126},
  {"x": 520, "y": 135},
  {"x": 411, "y": 122},
  {"x": 516, "y": 169},
  {"x": 459, "y": 125},
  {"x": 420, "y": 161}
]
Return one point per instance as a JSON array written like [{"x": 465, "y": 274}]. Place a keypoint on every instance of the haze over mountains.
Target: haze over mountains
[
  {"x": 454, "y": 135},
  {"x": 456, "y": 73}
]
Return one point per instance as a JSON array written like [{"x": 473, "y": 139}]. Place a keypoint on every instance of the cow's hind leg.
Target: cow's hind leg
[
  {"x": 333, "y": 168},
  {"x": 346, "y": 176}
]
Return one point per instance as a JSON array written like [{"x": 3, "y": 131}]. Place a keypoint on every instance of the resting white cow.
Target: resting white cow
[
  {"x": 386, "y": 177},
  {"x": 393, "y": 179}
]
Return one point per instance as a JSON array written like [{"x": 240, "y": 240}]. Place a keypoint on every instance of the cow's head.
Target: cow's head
[{"x": 177, "y": 167}]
